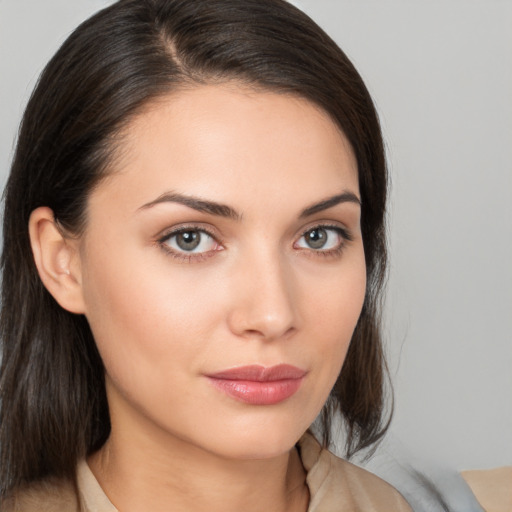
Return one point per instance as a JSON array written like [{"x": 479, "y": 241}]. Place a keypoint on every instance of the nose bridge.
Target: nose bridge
[{"x": 264, "y": 304}]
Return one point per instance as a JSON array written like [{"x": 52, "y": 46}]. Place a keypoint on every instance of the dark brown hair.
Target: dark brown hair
[{"x": 53, "y": 403}]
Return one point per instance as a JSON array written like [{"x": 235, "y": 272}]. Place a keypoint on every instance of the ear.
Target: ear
[{"x": 57, "y": 260}]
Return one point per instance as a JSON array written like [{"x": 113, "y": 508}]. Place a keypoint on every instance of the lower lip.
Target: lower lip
[{"x": 258, "y": 393}]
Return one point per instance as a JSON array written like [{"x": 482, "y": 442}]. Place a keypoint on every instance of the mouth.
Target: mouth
[{"x": 259, "y": 385}]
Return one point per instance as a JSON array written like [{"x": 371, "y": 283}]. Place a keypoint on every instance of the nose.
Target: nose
[{"x": 264, "y": 302}]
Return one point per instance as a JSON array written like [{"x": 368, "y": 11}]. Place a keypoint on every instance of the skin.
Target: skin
[{"x": 253, "y": 292}]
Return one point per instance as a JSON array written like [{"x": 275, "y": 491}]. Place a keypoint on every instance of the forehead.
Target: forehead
[{"x": 229, "y": 143}]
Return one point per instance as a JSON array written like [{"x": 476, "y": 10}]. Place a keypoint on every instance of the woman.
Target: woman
[{"x": 194, "y": 249}]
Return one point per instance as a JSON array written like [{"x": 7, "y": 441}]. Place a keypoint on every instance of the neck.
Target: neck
[{"x": 148, "y": 471}]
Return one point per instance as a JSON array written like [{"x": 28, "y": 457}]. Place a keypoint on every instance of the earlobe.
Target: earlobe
[{"x": 57, "y": 260}]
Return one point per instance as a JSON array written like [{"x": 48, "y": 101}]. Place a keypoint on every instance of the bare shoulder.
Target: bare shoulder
[{"x": 50, "y": 495}]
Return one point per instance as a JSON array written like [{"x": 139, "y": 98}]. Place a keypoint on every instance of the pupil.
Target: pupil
[
  {"x": 316, "y": 238},
  {"x": 188, "y": 240}
]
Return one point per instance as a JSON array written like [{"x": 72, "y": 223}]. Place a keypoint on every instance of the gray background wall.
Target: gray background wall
[{"x": 441, "y": 75}]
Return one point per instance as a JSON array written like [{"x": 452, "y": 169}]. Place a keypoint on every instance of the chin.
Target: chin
[{"x": 259, "y": 443}]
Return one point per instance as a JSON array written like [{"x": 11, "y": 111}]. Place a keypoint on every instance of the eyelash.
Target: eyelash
[
  {"x": 344, "y": 234},
  {"x": 197, "y": 257},
  {"x": 184, "y": 256}
]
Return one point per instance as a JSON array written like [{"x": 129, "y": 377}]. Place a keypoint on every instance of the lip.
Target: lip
[{"x": 259, "y": 385}]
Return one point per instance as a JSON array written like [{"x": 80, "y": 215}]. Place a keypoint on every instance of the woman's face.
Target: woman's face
[{"x": 225, "y": 244}]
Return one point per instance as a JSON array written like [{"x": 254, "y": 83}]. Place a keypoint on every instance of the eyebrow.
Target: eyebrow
[
  {"x": 200, "y": 205},
  {"x": 325, "y": 204},
  {"x": 222, "y": 210}
]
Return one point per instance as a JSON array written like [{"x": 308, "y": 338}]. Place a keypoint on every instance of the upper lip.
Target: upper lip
[{"x": 258, "y": 373}]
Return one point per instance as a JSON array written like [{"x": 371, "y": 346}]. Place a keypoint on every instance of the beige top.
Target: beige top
[{"x": 335, "y": 485}]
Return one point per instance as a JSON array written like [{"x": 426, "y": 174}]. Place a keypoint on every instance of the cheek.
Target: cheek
[
  {"x": 158, "y": 324},
  {"x": 337, "y": 304},
  {"x": 140, "y": 313},
  {"x": 332, "y": 312},
  {"x": 148, "y": 336}
]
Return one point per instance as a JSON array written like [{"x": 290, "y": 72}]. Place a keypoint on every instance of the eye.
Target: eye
[
  {"x": 323, "y": 238},
  {"x": 191, "y": 241}
]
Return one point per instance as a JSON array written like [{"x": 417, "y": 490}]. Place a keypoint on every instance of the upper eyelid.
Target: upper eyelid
[
  {"x": 336, "y": 226},
  {"x": 176, "y": 230}
]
